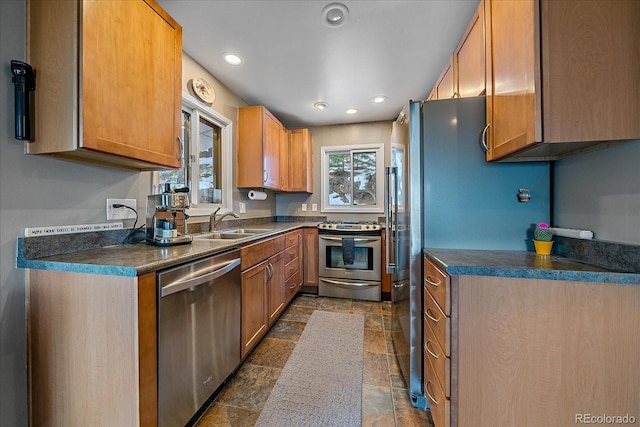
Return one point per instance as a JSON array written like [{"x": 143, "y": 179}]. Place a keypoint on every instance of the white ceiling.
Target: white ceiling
[{"x": 292, "y": 59}]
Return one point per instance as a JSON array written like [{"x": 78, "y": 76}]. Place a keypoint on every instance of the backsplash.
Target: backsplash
[
  {"x": 614, "y": 256},
  {"x": 44, "y": 246}
]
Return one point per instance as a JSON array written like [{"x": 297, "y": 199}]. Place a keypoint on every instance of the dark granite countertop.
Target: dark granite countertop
[
  {"x": 136, "y": 259},
  {"x": 526, "y": 265}
]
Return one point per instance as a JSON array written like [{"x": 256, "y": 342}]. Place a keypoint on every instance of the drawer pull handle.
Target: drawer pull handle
[
  {"x": 292, "y": 286},
  {"x": 426, "y": 389},
  {"x": 430, "y": 281},
  {"x": 428, "y": 348},
  {"x": 429, "y": 314}
]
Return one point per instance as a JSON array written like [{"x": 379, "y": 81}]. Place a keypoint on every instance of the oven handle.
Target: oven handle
[
  {"x": 353, "y": 284},
  {"x": 356, "y": 240}
]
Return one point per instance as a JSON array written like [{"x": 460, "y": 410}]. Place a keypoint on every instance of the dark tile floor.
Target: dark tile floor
[{"x": 385, "y": 398}]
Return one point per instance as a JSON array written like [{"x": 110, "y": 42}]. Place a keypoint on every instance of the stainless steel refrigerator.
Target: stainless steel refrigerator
[{"x": 441, "y": 193}]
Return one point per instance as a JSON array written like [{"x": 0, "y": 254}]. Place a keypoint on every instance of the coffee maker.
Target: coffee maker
[{"x": 165, "y": 213}]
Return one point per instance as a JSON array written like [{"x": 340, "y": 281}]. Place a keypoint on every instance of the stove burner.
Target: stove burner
[{"x": 350, "y": 225}]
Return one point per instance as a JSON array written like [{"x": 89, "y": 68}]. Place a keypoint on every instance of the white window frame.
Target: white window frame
[
  {"x": 198, "y": 110},
  {"x": 379, "y": 206}
]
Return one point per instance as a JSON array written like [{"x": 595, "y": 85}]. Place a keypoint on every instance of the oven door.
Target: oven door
[{"x": 354, "y": 257}]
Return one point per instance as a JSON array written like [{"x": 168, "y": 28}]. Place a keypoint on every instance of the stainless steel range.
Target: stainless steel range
[{"x": 350, "y": 260}]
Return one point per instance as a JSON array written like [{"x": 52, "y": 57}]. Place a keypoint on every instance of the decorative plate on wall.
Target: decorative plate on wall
[{"x": 203, "y": 89}]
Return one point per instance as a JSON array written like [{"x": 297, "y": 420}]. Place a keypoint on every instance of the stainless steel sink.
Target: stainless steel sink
[
  {"x": 247, "y": 230},
  {"x": 232, "y": 234}
]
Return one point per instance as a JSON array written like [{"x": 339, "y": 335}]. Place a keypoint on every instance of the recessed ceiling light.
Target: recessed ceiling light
[
  {"x": 351, "y": 111},
  {"x": 378, "y": 99},
  {"x": 321, "y": 105},
  {"x": 335, "y": 14},
  {"x": 232, "y": 59}
]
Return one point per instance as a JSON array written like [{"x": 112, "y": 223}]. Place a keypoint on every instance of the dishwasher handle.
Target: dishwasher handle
[{"x": 221, "y": 270}]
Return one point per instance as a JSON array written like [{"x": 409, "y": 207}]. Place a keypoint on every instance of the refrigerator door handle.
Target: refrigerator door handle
[
  {"x": 483, "y": 139},
  {"x": 391, "y": 220}
]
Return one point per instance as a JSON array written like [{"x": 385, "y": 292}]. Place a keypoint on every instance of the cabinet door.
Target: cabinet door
[
  {"x": 284, "y": 159},
  {"x": 275, "y": 286},
  {"x": 255, "y": 318},
  {"x": 511, "y": 92},
  {"x": 300, "y": 161},
  {"x": 271, "y": 151},
  {"x": 131, "y": 68},
  {"x": 445, "y": 87},
  {"x": 310, "y": 257},
  {"x": 469, "y": 56}
]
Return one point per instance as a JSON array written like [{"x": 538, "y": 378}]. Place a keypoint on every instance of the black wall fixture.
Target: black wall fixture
[{"x": 25, "y": 82}]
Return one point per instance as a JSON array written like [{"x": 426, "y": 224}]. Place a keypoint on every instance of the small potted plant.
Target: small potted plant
[{"x": 542, "y": 239}]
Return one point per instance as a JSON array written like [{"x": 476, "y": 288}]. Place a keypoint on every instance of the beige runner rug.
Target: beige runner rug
[{"x": 321, "y": 383}]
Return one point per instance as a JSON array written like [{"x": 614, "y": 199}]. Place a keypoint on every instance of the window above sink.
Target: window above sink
[{"x": 206, "y": 159}]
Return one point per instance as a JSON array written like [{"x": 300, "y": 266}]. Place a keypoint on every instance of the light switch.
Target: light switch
[
  {"x": 243, "y": 207},
  {"x": 314, "y": 207},
  {"x": 304, "y": 207}
]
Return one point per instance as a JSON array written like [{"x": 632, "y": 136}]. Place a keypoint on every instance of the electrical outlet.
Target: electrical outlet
[
  {"x": 314, "y": 207},
  {"x": 121, "y": 213},
  {"x": 304, "y": 207}
]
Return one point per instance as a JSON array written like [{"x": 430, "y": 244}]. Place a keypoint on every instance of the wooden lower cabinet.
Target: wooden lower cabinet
[
  {"x": 275, "y": 287},
  {"x": 310, "y": 260},
  {"x": 78, "y": 322},
  {"x": 255, "y": 315},
  {"x": 533, "y": 352}
]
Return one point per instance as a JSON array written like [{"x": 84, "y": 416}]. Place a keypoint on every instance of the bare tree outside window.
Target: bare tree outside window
[{"x": 353, "y": 178}]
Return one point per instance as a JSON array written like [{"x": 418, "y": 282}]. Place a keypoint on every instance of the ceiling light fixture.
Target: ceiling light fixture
[
  {"x": 351, "y": 111},
  {"x": 321, "y": 105},
  {"x": 232, "y": 59},
  {"x": 335, "y": 14},
  {"x": 378, "y": 99}
]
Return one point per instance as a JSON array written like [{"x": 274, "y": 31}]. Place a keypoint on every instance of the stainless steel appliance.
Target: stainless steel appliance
[
  {"x": 198, "y": 334},
  {"x": 350, "y": 260},
  {"x": 167, "y": 212},
  {"x": 441, "y": 193}
]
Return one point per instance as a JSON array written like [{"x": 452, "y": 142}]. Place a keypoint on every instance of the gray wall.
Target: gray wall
[
  {"x": 37, "y": 191},
  {"x": 600, "y": 191},
  {"x": 325, "y": 136}
]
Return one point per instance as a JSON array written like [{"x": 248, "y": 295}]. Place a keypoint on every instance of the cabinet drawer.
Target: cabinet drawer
[
  {"x": 293, "y": 238},
  {"x": 438, "y": 322},
  {"x": 257, "y": 252},
  {"x": 292, "y": 267},
  {"x": 440, "y": 406},
  {"x": 438, "y": 284},
  {"x": 291, "y": 254},
  {"x": 292, "y": 284},
  {"x": 441, "y": 364}
]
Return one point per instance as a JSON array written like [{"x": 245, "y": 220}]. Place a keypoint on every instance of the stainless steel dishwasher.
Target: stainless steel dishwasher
[{"x": 198, "y": 333}]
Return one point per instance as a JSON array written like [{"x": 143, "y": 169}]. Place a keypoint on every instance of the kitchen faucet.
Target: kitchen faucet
[{"x": 213, "y": 222}]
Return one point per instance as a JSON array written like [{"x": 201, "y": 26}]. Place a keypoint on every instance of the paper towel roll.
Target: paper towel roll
[{"x": 257, "y": 195}]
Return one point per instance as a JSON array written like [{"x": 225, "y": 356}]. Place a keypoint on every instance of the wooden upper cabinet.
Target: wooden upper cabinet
[
  {"x": 283, "y": 156},
  {"x": 445, "y": 87},
  {"x": 108, "y": 86},
  {"x": 561, "y": 76},
  {"x": 469, "y": 61},
  {"x": 258, "y": 148},
  {"x": 300, "y": 161},
  {"x": 464, "y": 74},
  {"x": 284, "y": 159}
]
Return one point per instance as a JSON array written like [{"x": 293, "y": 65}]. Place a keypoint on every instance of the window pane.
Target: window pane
[
  {"x": 178, "y": 177},
  {"x": 364, "y": 178},
  {"x": 339, "y": 179},
  {"x": 210, "y": 181}
]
